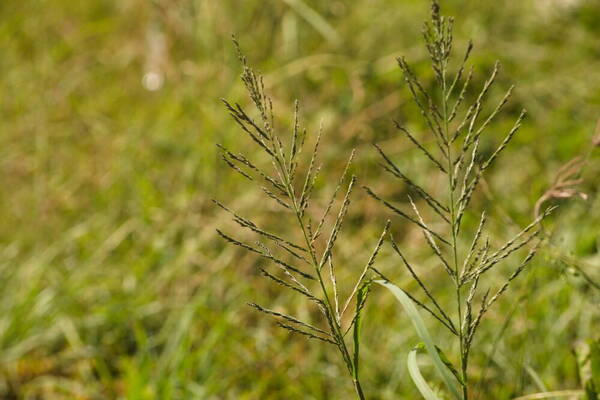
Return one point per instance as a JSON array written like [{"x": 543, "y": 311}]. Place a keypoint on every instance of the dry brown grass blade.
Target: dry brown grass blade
[{"x": 564, "y": 185}]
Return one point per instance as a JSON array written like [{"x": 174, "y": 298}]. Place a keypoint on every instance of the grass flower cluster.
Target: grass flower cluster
[
  {"x": 312, "y": 261},
  {"x": 457, "y": 127}
]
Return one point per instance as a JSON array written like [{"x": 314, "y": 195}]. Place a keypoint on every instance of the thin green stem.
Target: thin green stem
[
  {"x": 453, "y": 222},
  {"x": 358, "y": 388}
]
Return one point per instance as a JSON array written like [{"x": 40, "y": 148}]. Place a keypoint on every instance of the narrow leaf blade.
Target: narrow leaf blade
[
  {"x": 417, "y": 378},
  {"x": 423, "y": 333}
]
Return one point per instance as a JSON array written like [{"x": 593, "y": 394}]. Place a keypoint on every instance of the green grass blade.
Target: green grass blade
[
  {"x": 315, "y": 19},
  {"x": 551, "y": 395},
  {"x": 415, "y": 374},
  {"x": 423, "y": 333}
]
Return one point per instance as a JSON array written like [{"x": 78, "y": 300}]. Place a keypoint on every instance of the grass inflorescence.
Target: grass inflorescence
[
  {"x": 311, "y": 270},
  {"x": 457, "y": 129}
]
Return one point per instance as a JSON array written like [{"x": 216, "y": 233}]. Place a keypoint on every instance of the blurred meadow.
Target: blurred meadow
[{"x": 113, "y": 283}]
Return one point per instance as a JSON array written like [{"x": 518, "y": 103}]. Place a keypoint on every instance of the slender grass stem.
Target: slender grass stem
[{"x": 453, "y": 227}]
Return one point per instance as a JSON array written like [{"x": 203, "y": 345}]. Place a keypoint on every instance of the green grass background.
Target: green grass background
[{"x": 113, "y": 283}]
